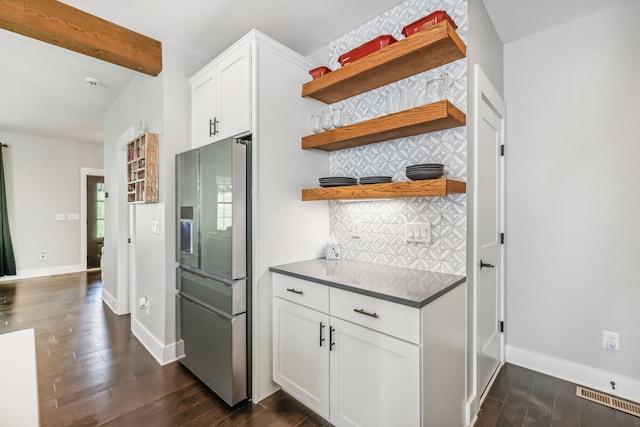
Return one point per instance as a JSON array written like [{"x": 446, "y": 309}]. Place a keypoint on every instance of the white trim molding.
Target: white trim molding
[
  {"x": 587, "y": 376},
  {"x": 164, "y": 354},
  {"x": 40, "y": 272},
  {"x": 109, "y": 300}
]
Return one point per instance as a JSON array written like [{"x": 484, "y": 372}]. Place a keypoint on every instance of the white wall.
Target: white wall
[
  {"x": 484, "y": 48},
  {"x": 43, "y": 179},
  {"x": 573, "y": 101},
  {"x": 164, "y": 102},
  {"x": 140, "y": 100}
]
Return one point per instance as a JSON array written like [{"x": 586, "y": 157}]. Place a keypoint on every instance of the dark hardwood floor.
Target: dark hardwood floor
[
  {"x": 522, "y": 397},
  {"x": 92, "y": 371}
]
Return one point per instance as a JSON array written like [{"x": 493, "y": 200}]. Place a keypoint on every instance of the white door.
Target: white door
[
  {"x": 488, "y": 250},
  {"x": 375, "y": 378},
  {"x": 300, "y": 354}
]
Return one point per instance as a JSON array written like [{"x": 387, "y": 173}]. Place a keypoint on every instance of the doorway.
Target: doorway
[
  {"x": 85, "y": 173},
  {"x": 95, "y": 220},
  {"x": 488, "y": 239}
]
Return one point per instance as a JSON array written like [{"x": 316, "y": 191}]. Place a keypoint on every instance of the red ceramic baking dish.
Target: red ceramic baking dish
[
  {"x": 426, "y": 22},
  {"x": 319, "y": 72},
  {"x": 366, "y": 48}
]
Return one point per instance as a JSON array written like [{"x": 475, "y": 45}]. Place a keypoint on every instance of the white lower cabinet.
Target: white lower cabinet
[
  {"x": 374, "y": 378},
  {"x": 300, "y": 360},
  {"x": 347, "y": 373},
  {"x": 363, "y": 361}
]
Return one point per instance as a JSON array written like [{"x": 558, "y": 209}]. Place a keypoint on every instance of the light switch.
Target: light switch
[
  {"x": 155, "y": 226},
  {"x": 59, "y": 217},
  {"x": 417, "y": 233},
  {"x": 73, "y": 217}
]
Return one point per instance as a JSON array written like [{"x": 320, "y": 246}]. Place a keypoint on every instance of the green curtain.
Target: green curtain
[{"x": 7, "y": 259}]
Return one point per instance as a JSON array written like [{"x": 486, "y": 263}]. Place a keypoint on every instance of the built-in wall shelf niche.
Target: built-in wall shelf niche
[
  {"x": 391, "y": 190},
  {"x": 432, "y": 117},
  {"x": 422, "y": 51},
  {"x": 142, "y": 169}
]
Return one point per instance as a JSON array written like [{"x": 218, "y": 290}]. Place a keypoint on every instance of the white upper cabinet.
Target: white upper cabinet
[{"x": 221, "y": 97}]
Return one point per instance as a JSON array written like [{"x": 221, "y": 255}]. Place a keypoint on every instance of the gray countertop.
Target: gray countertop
[{"x": 408, "y": 286}]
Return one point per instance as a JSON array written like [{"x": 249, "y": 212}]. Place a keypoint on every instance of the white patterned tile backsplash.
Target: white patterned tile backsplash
[{"x": 382, "y": 222}]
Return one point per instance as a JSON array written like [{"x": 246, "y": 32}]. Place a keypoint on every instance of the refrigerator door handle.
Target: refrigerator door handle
[
  {"x": 205, "y": 306},
  {"x": 226, "y": 281}
]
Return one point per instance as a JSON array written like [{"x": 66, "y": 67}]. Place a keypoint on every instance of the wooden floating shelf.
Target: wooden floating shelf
[
  {"x": 391, "y": 190},
  {"x": 419, "y": 52},
  {"x": 426, "y": 118}
]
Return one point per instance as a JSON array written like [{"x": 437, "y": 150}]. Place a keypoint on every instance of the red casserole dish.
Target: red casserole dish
[
  {"x": 319, "y": 72},
  {"x": 365, "y": 49},
  {"x": 426, "y": 22}
]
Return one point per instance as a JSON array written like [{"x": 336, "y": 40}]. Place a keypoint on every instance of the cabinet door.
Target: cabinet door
[
  {"x": 375, "y": 379},
  {"x": 234, "y": 93},
  {"x": 204, "y": 108},
  {"x": 300, "y": 358}
]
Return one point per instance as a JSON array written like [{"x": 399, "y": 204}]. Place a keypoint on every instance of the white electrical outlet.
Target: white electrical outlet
[
  {"x": 611, "y": 340},
  {"x": 43, "y": 256},
  {"x": 143, "y": 304},
  {"x": 356, "y": 230}
]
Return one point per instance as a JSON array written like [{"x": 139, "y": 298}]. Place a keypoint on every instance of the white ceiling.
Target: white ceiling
[
  {"x": 515, "y": 19},
  {"x": 42, "y": 88}
]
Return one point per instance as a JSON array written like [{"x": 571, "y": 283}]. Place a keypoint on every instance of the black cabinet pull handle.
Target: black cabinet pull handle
[
  {"x": 484, "y": 264},
  {"x": 331, "y": 343},
  {"x": 321, "y": 330},
  {"x": 295, "y": 291},
  {"x": 213, "y": 124},
  {"x": 366, "y": 313}
]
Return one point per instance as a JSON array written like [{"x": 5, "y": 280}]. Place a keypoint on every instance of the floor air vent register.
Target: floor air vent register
[{"x": 610, "y": 401}]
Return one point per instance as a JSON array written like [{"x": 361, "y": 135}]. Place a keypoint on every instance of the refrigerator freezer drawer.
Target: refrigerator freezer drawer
[
  {"x": 227, "y": 298},
  {"x": 215, "y": 350}
]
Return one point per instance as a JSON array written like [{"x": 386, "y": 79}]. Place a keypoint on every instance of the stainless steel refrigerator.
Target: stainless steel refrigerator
[{"x": 213, "y": 249}]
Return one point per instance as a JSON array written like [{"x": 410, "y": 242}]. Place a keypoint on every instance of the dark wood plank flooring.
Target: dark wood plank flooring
[
  {"x": 92, "y": 371},
  {"x": 522, "y": 397}
]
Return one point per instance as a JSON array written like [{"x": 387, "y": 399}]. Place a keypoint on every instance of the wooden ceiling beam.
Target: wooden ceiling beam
[{"x": 62, "y": 25}]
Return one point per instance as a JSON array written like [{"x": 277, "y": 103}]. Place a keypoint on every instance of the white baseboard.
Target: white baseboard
[
  {"x": 40, "y": 272},
  {"x": 471, "y": 415},
  {"x": 164, "y": 354},
  {"x": 110, "y": 300},
  {"x": 587, "y": 376}
]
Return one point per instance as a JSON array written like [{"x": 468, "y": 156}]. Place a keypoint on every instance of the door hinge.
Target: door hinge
[
  {"x": 501, "y": 326},
  {"x": 129, "y": 240},
  {"x": 502, "y": 150},
  {"x": 502, "y": 238}
]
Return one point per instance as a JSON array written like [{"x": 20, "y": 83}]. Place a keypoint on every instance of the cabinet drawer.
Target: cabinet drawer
[
  {"x": 387, "y": 317},
  {"x": 309, "y": 294}
]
